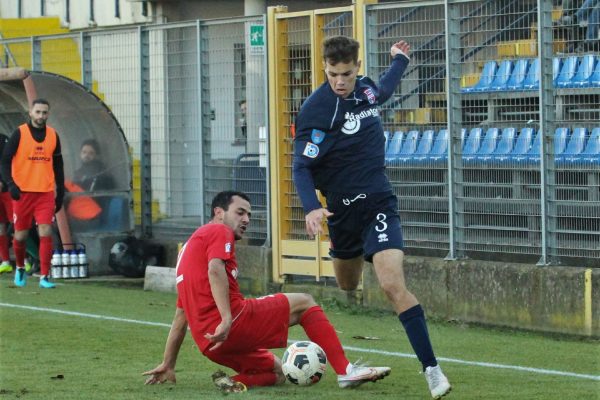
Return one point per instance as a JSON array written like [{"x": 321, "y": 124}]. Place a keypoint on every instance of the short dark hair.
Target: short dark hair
[
  {"x": 93, "y": 143},
  {"x": 338, "y": 49},
  {"x": 224, "y": 199},
  {"x": 40, "y": 101}
]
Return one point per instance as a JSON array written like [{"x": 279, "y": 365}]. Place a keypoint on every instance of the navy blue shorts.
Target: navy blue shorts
[{"x": 363, "y": 224}]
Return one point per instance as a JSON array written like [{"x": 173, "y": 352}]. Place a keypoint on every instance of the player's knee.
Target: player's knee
[
  {"x": 308, "y": 301},
  {"x": 392, "y": 288}
]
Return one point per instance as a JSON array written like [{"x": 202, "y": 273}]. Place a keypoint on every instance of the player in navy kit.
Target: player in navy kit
[{"x": 339, "y": 150}]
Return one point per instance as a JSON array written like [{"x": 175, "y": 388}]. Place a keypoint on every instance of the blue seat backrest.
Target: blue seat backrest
[
  {"x": 386, "y": 135},
  {"x": 440, "y": 144},
  {"x": 395, "y": 144},
  {"x": 567, "y": 72},
  {"x": 485, "y": 79},
  {"x": 506, "y": 142},
  {"x": 472, "y": 142},
  {"x": 536, "y": 146},
  {"x": 523, "y": 142},
  {"x": 576, "y": 142},
  {"x": 425, "y": 143},
  {"x": 584, "y": 72},
  {"x": 595, "y": 78},
  {"x": 502, "y": 76},
  {"x": 410, "y": 143},
  {"x": 560, "y": 140},
  {"x": 593, "y": 144},
  {"x": 556, "y": 67},
  {"x": 517, "y": 77},
  {"x": 488, "y": 145},
  {"x": 532, "y": 80}
]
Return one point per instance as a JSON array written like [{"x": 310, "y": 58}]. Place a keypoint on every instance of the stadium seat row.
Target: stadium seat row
[
  {"x": 524, "y": 74},
  {"x": 494, "y": 146}
]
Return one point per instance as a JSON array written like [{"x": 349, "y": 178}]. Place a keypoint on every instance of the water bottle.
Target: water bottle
[
  {"x": 66, "y": 259},
  {"x": 74, "y": 264},
  {"x": 83, "y": 264},
  {"x": 56, "y": 265}
]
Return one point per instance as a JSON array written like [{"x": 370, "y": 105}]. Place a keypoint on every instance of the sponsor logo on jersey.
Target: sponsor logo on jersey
[
  {"x": 382, "y": 237},
  {"x": 234, "y": 273},
  {"x": 352, "y": 124},
  {"x": 311, "y": 150},
  {"x": 317, "y": 136},
  {"x": 370, "y": 95},
  {"x": 227, "y": 247}
]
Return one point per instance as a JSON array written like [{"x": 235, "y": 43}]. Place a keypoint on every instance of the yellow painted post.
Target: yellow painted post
[
  {"x": 275, "y": 85},
  {"x": 588, "y": 301},
  {"x": 358, "y": 27}
]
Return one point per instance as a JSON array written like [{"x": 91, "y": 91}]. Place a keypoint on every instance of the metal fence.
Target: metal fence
[{"x": 493, "y": 135}]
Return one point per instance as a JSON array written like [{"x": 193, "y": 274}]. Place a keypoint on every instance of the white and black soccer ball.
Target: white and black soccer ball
[{"x": 304, "y": 363}]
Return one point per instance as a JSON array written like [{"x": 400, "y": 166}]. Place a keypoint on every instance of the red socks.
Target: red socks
[
  {"x": 319, "y": 330},
  {"x": 4, "y": 248},
  {"x": 45, "y": 254},
  {"x": 19, "y": 249},
  {"x": 259, "y": 379}
]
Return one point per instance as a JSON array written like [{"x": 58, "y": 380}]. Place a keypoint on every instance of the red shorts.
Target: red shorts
[
  {"x": 6, "y": 209},
  {"x": 262, "y": 324},
  {"x": 32, "y": 205}
]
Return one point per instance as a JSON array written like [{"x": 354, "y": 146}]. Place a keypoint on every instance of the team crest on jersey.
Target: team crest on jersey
[
  {"x": 317, "y": 136},
  {"x": 370, "y": 95},
  {"x": 311, "y": 150},
  {"x": 227, "y": 247},
  {"x": 352, "y": 124}
]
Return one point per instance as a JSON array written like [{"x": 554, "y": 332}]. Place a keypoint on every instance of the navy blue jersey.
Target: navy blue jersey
[{"x": 339, "y": 145}]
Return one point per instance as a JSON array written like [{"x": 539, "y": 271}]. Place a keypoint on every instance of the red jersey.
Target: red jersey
[{"x": 210, "y": 241}]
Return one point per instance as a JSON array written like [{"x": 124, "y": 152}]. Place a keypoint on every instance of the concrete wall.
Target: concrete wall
[{"x": 549, "y": 299}]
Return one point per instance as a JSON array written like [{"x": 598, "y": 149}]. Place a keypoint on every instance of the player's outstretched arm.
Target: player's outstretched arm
[{"x": 165, "y": 371}]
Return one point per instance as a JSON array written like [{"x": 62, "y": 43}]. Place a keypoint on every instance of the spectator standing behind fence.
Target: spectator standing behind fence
[
  {"x": 339, "y": 149},
  {"x": 588, "y": 14},
  {"x": 6, "y": 215},
  {"x": 32, "y": 167},
  {"x": 236, "y": 332}
]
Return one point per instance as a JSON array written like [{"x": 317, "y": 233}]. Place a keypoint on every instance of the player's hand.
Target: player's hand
[
  {"x": 314, "y": 219},
  {"x": 160, "y": 374},
  {"x": 220, "y": 334},
  {"x": 400, "y": 47},
  {"x": 15, "y": 192}
]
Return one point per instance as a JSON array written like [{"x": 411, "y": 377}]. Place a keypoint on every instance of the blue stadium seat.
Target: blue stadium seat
[
  {"x": 521, "y": 147},
  {"x": 423, "y": 148},
  {"x": 386, "y": 135},
  {"x": 556, "y": 68},
  {"x": 472, "y": 142},
  {"x": 409, "y": 145},
  {"x": 488, "y": 145},
  {"x": 533, "y": 151},
  {"x": 584, "y": 72},
  {"x": 532, "y": 79},
  {"x": 517, "y": 78},
  {"x": 591, "y": 152},
  {"x": 560, "y": 143},
  {"x": 439, "y": 149},
  {"x": 575, "y": 145},
  {"x": 502, "y": 76},
  {"x": 394, "y": 147},
  {"x": 504, "y": 147},
  {"x": 567, "y": 72},
  {"x": 485, "y": 79},
  {"x": 595, "y": 78}
]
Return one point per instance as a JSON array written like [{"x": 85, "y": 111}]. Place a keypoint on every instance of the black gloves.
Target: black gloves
[
  {"x": 14, "y": 190},
  {"x": 60, "y": 195}
]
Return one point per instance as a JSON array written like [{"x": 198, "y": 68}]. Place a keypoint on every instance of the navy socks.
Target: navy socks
[{"x": 415, "y": 326}]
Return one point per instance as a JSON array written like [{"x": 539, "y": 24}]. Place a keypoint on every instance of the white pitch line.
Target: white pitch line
[{"x": 349, "y": 348}]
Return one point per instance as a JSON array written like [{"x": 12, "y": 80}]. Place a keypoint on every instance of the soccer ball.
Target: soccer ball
[{"x": 304, "y": 363}]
